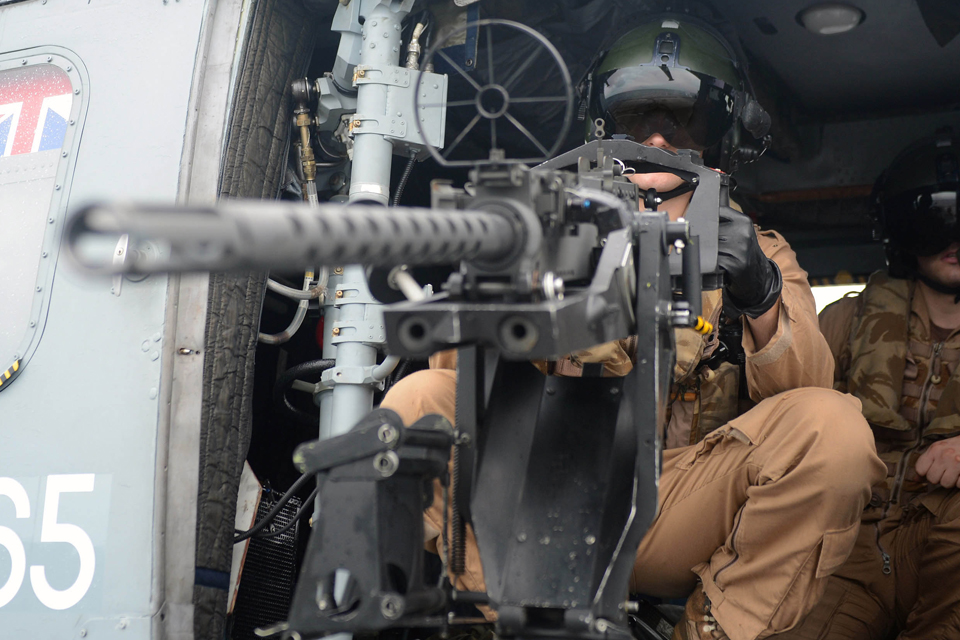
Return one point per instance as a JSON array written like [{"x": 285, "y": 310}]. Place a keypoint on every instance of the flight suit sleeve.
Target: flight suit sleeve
[
  {"x": 798, "y": 354},
  {"x": 444, "y": 360},
  {"x": 836, "y": 321}
]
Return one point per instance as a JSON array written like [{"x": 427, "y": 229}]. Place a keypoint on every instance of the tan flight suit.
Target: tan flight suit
[
  {"x": 904, "y": 572},
  {"x": 764, "y": 506}
]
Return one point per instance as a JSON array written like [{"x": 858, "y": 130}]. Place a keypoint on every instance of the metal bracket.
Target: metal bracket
[
  {"x": 387, "y": 75},
  {"x": 349, "y": 375},
  {"x": 395, "y": 123},
  {"x": 331, "y": 104},
  {"x": 397, "y": 128},
  {"x": 371, "y": 331}
]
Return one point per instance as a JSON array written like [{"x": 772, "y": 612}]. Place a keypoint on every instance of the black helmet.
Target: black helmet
[
  {"x": 676, "y": 76},
  {"x": 915, "y": 201}
]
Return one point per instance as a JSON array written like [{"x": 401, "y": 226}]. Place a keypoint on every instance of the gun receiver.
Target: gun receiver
[{"x": 547, "y": 255}]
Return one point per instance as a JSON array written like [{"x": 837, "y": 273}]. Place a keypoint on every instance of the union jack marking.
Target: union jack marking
[{"x": 35, "y": 107}]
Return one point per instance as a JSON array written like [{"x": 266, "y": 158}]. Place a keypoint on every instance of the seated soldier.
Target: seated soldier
[
  {"x": 757, "y": 508},
  {"x": 897, "y": 346}
]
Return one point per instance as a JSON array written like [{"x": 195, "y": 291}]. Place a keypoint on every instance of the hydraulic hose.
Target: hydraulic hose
[
  {"x": 286, "y": 334},
  {"x": 313, "y": 368}
]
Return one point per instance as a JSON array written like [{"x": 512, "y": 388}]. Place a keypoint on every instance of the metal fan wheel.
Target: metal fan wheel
[{"x": 492, "y": 101}]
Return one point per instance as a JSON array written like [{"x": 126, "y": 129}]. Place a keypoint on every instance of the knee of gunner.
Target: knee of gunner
[
  {"x": 834, "y": 428},
  {"x": 422, "y": 393}
]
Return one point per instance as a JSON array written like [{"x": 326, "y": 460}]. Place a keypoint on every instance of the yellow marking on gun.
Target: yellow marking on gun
[{"x": 703, "y": 327}]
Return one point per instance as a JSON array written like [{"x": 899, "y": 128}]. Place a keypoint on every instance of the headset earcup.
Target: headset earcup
[{"x": 755, "y": 119}]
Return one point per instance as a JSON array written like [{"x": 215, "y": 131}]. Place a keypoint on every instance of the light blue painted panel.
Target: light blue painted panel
[{"x": 87, "y": 402}]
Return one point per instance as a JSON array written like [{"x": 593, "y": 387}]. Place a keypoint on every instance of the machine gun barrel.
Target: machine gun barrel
[{"x": 259, "y": 235}]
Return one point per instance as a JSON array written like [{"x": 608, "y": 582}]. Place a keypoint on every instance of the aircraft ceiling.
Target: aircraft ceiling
[{"x": 891, "y": 61}]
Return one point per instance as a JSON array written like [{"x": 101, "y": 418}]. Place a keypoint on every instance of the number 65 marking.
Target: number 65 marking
[{"x": 50, "y": 531}]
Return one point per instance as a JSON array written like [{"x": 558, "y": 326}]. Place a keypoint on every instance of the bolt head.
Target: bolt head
[
  {"x": 336, "y": 331},
  {"x": 339, "y": 293},
  {"x": 386, "y": 463},
  {"x": 391, "y": 607},
  {"x": 388, "y": 434}
]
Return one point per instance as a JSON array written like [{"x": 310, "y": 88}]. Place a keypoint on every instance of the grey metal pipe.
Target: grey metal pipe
[
  {"x": 240, "y": 235},
  {"x": 408, "y": 285},
  {"x": 385, "y": 368}
]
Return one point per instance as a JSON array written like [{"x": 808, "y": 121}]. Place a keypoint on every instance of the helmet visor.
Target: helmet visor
[
  {"x": 923, "y": 223},
  {"x": 689, "y": 109}
]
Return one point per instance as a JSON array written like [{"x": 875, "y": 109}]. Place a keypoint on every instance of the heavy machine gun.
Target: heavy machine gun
[{"x": 558, "y": 476}]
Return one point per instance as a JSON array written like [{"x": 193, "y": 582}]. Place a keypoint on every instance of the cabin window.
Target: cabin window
[{"x": 41, "y": 96}]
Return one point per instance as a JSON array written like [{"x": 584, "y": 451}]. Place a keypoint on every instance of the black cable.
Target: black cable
[
  {"x": 401, "y": 371},
  {"x": 323, "y": 149},
  {"x": 313, "y": 367},
  {"x": 284, "y": 499},
  {"x": 403, "y": 180},
  {"x": 427, "y": 30},
  {"x": 397, "y": 374},
  {"x": 304, "y": 509}
]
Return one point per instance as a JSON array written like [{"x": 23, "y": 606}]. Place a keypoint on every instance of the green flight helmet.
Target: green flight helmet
[
  {"x": 674, "y": 76},
  {"x": 915, "y": 201}
]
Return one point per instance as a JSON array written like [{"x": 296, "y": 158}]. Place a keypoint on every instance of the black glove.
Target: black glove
[{"x": 752, "y": 281}]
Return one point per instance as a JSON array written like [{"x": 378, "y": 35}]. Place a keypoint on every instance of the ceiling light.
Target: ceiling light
[{"x": 829, "y": 19}]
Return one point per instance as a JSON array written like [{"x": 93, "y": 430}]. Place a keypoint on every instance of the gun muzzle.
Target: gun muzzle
[{"x": 257, "y": 235}]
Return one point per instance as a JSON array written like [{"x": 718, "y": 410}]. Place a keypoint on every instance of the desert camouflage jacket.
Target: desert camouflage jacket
[
  {"x": 703, "y": 399},
  {"x": 908, "y": 384}
]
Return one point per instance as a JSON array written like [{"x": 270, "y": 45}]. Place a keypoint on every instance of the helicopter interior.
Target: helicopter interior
[{"x": 844, "y": 100}]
